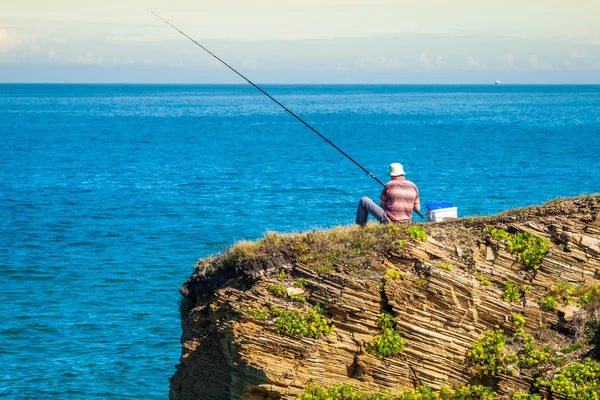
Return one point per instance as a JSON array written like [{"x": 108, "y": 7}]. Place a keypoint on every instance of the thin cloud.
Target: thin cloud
[
  {"x": 382, "y": 63},
  {"x": 534, "y": 61},
  {"x": 424, "y": 60},
  {"x": 86, "y": 59},
  {"x": 510, "y": 59},
  {"x": 8, "y": 41},
  {"x": 438, "y": 61},
  {"x": 472, "y": 61}
]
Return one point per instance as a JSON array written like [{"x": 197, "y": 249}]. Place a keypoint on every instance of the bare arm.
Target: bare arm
[{"x": 417, "y": 206}]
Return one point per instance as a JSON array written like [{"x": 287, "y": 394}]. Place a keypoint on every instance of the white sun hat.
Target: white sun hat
[{"x": 396, "y": 169}]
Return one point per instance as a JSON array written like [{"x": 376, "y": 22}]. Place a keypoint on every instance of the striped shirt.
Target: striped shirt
[{"x": 399, "y": 198}]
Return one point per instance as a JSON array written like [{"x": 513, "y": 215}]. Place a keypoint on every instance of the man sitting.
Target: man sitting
[{"x": 398, "y": 200}]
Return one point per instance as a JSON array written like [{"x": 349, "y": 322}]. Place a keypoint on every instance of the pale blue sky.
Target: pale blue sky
[{"x": 325, "y": 41}]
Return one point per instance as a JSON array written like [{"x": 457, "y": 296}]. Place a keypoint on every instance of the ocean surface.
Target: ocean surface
[{"x": 109, "y": 194}]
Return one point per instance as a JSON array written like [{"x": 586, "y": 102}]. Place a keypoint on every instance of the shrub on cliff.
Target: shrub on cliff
[
  {"x": 580, "y": 381},
  {"x": 526, "y": 396},
  {"x": 311, "y": 323},
  {"x": 389, "y": 343},
  {"x": 489, "y": 355},
  {"x": 530, "y": 248},
  {"x": 512, "y": 294},
  {"x": 348, "y": 392},
  {"x": 417, "y": 233}
]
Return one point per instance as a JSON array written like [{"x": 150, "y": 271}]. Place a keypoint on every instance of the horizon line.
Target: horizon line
[{"x": 301, "y": 84}]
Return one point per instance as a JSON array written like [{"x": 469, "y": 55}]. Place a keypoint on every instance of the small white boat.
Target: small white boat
[{"x": 497, "y": 83}]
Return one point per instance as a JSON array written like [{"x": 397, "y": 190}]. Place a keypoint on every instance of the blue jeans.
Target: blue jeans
[{"x": 367, "y": 206}]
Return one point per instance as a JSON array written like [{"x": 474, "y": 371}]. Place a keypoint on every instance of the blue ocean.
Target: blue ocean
[{"x": 109, "y": 194}]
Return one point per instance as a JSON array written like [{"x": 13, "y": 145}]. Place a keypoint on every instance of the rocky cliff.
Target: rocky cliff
[{"x": 266, "y": 318}]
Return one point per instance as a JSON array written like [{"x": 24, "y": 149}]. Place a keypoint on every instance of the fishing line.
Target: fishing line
[{"x": 272, "y": 98}]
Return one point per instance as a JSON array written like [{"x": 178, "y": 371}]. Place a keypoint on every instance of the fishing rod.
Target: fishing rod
[{"x": 272, "y": 98}]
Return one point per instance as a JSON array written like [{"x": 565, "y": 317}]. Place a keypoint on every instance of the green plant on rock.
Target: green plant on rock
[
  {"x": 518, "y": 324},
  {"x": 422, "y": 282},
  {"x": 531, "y": 248},
  {"x": 393, "y": 229},
  {"x": 400, "y": 244},
  {"x": 392, "y": 274},
  {"x": 529, "y": 354},
  {"x": 580, "y": 381},
  {"x": 386, "y": 321},
  {"x": 311, "y": 323},
  {"x": 498, "y": 234},
  {"x": 482, "y": 279},
  {"x": 445, "y": 266},
  {"x": 489, "y": 355},
  {"x": 324, "y": 269},
  {"x": 418, "y": 393},
  {"x": 562, "y": 291},
  {"x": 301, "y": 283},
  {"x": 389, "y": 343},
  {"x": 257, "y": 313},
  {"x": 590, "y": 293},
  {"x": 571, "y": 348},
  {"x": 281, "y": 275},
  {"x": 548, "y": 303},
  {"x": 298, "y": 297},
  {"x": 417, "y": 233},
  {"x": 277, "y": 290},
  {"x": 468, "y": 392},
  {"x": 347, "y": 392},
  {"x": 342, "y": 391},
  {"x": 300, "y": 247},
  {"x": 512, "y": 294},
  {"x": 526, "y": 396}
]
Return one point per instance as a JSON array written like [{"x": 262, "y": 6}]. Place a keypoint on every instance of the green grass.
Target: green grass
[{"x": 571, "y": 348}]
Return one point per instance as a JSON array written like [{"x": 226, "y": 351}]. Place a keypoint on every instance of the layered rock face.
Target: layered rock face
[{"x": 449, "y": 290}]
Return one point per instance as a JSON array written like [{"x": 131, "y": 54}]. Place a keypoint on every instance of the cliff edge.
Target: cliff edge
[{"x": 508, "y": 302}]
